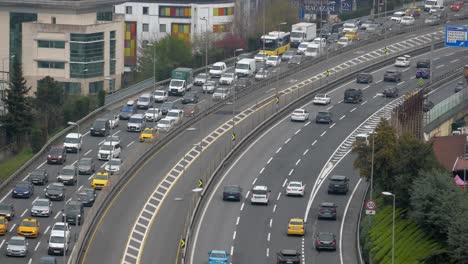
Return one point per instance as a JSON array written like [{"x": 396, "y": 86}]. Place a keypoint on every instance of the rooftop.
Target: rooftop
[
  {"x": 66, "y": 4},
  {"x": 447, "y": 149}
]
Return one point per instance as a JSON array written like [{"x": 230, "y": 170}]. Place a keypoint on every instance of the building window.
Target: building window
[
  {"x": 162, "y": 28},
  {"x": 223, "y": 11},
  {"x": 181, "y": 31},
  {"x": 145, "y": 10},
  {"x": 51, "y": 44},
  {"x": 168, "y": 11},
  {"x": 51, "y": 65},
  {"x": 86, "y": 55},
  {"x": 112, "y": 53},
  {"x": 104, "y": 16},
  {"x": 54, "y": 20},
  {"x": 145, "y": 27},
  {"x": 220, "y": 28},
  {"x": 71, "y": 87},
  {"x": 96, "y": 87},
  {"x": 111, "y": 85},
  {"x": 128, "y": 10}
]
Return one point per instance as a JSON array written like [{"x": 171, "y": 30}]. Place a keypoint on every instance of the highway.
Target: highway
[
  {"x": 294, "y": 151},
  {"x": 126, "y": 206}
]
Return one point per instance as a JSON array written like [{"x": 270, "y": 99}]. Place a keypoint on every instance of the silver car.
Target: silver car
[
  {"x": 221, "y": 93},
  {"x": 41, "y": 207},
  {"x": 67, "y": 175},
  {"x": 113, "y": 166},
  {"x": 17, "y": 246}
]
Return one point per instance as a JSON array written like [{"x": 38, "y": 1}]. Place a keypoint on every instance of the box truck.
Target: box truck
[
  {"x": 181, "y": 81},
  {"x": 302, "y": 32}
]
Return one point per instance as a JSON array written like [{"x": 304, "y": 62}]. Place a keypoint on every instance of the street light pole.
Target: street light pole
[
  {"x": 372, "y": 168},
  {"x": 277, "y": 53},
  {"x": 234, "y": 100},
  {"x": 77, "y": 151},
  {"x": 154, "y": 75},
  {"x": 206, "y": 45},
  {"x": 393, "y": 224}
]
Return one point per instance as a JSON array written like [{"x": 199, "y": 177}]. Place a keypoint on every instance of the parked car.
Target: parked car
[
  {"x": 391, "y": 92},
  {"x": 17, "y": 246},
  {"x": 190, "y": 98},
  {"x": 262, "y": 74},
  {"x": 67, "y": 175},
  {"x": 423, "y": 73},
  {"x": 325, "y": 241},
  {"x": 232, "y": 192},
  {"x": 300, "y": 114},
  {"x": 113, "y": 119},
  {"x": 166, "y": 106},
  {"x": 160, "y": 96},
  {"x": 55, "y": 191},
  {"x": 7, "y": 210},
  {"x": 322, "y": 99},
  {"x": 86, "y": 166},
  {"x": 22, "y": 189},
  {"x": 273, "y": 61},
  {"x": 364, "y": 77},
  {"x": 327, "y": 210},
  {"x": 190, "y": 110},
  {"x": 201, "y": 79},
  {"x": 392, "y": 75},
  {"x": 57, "y": 155},
  {"x": 41, "y": 207},
  {"x": 324, "y": 117},
  {"x": 288, "y": 256},
  {"x": 86, "y": 196},
  {"x": 338, "y": 184},
  {"x": 39, "y": 177},
  {"x": 153, "y": 114},
  {"x": 228, "y": 78},
  {"x": 209, "y": 87}
]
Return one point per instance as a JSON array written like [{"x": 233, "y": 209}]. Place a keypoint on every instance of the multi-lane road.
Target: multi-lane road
[{"x": 293, "y": 151}]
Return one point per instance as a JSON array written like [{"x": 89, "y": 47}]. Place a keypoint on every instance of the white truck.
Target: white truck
[
  {"x": 302, "y": 32},
  {"x": 245, "y": 67},
  {"x": 181, "y": 81},
  {"x": 431, "y": 4}
]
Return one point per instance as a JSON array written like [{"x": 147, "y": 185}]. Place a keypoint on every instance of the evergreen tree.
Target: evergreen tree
[{"x": 49, "y": 104}]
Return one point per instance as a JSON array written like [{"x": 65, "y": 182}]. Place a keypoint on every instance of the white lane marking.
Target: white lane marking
[
  {"x": 290, "y": 173},
  {"x": 37, "y": 246},
  {"x": 377, "y": 94},
  {"x": 341, "y": 118},
  {"x": 286, "y": 142},
  {"x": 268, "y": 162},
  {"x": 278, "y": 150},
  {"x": 330, "y": 107},
  {"x": 440, "y": 66},
  {"x": 344, "y": 219},
  {"x": 268, "y": 252},
  {"x": 89, "y": 151},
  {"x": 25, "y": 211},
  {"x": 37, "y": 197},
  {"x": 129, "y": 144},
  {"x": 352, "y": 110},
  {"x": 100, "y": 143},
  {"x": 324, "y": 132},
  {"x": 271, "y": 222},
  {"x": 73, "y": 164},
  {"x": 242, "y": 206},
  {"x": 91, "y": 176},
  {"x": 1, "y": 244},
  {"x": 297, "y": 132},
  {"x": 25, "y": 177},
  {"x": 449, "y": 54},
  {"x": 332, "y": 125},
  {"x": 297, "y": 162},
  {"x": 42, "y": 164},
  {"x": 261, "y": 171},
  {"x": 379, "y": 81},
  {"x": 365, "y": 88},
  {"x": 400, "y": 83},
  {"x": 247, "y": 195},
  {"x": 305, "y": 152},
  {"x": 237, "y": 221},
  {"x": 254, "y": 181},
  {"x": 274, "y": 208},
  {"x": 47, "y": 229},
  {"x": 340, "y": 101},
  {"x": 279, "y": 196},
  {"x": 116, "y": 133},
  {"x": 30, "y": 261},
  {"x": 234, "y": 235},
  {"x": 285, "y": 181},
  {"x": 80, "y": 187},
  {"x": 68, "y": 200},
  {"x": 58, "y": 213},
  {"x": 269, "y": 235},
  {"x": 363, "y": 103},
  {"x": 104, "y": 164},
  {"x": 232, "y": 250},
  {"x": 454, "y": 61},
  {"x": 306, "y": 124},
  {"x": 313, "y": 143},
  {"x": 434, "y": 59},
  {"x": 12, "y": 227}
]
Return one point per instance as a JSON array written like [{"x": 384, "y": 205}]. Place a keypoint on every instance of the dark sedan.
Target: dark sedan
[
  {"x": 423, "y": 73},
  {"x": 86, "y": 166},
  {"x": 459, "y": 87},
  {"x": 167, "y": 106},
  {"x": 364, "y": 77},
  {"x": 87, "y": 196},
  {"x": 232, "y": 192},
  {"x": 7, "y": 210},
  {"x": 190, "y": 98},
  {"x": 39, "y": 177},
  {"x": 324, "y": 117},
  {"x": 327, "y": 211},
  {"x": 22, "y": 189},
  {"x": 325, "y": 241},
  {"x": 288, "y": 256},
  {"x": 392, "y": 76},
  {"x": 190, "y": 110},
  {"x": 391, "y": 92},
  {"x": 55, "y": 191}
]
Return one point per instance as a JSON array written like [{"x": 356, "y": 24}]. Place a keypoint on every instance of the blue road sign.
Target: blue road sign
[{"x": 456, "y": 36}]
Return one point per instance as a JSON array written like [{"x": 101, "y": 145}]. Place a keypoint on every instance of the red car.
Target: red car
[
  {"x": 414, "y": 13},
  {"x": 57, "y": 155},
  {"x": 456, "y": 6}
]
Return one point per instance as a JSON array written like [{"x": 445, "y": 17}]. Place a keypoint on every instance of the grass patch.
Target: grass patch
[{"x": 9, "y": 166}]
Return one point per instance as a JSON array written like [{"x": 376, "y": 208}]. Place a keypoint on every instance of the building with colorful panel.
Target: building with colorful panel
[
  {"x": 148, "y": 20},
  {"x": 78, "y": 43}
]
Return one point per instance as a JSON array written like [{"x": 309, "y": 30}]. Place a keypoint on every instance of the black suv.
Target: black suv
[
  {"x": 338, "y": 184},
  {"x": 288, "y": 256},
  {"x": 87, "y": 196},
  {"x": 390, "y": 92},
  {"x": 73, "y": 213},
  {"x": 100, "y": 127},
  {"x": 353, "y": 96},
  {"x": 327, "y": 211},
  {"x": 39, "y": 177},
  {"x": 364, "y": 77}
]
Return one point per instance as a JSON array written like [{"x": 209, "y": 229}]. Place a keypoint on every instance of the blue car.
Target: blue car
[
  {"x": 23, "y": 189},
  {"x": 423, "y": 73},
  {"x": 218, "y": 257}
]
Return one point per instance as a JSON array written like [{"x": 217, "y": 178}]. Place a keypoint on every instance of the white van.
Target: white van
[
  {"x": 218, "y": 69},
  {"x": 58, "y": 243},
  {"x": 73, "y": 142},
  {"x": 302, "y": 47},
  {"x": 313, "y": 50},
  {"x": 260, "y": 195},
  {"x": 245, "y": 67}
]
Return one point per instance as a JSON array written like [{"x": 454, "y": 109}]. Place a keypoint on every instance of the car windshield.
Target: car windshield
[
  {"x": 57, "y": 239},
  {"x": 83, "y": 195},
  {"x": 85, "y": 162},
  {"x": 228, "y": 75},
  {"x": 303, "y": 46},
  {"x": 143, "y": 99},
  {"x": 159, "y": 93},
  {"x": 259, "y": 192},
  {"x": 312, "y": 49},
  {"x": 116, "y": 162},
  {"x": 243, "y": 66},
  {"x": 391, "y": 72},
  {"x": 54, "y": 187},
  {"x": 41, "y": 203},
  {"x": 406, "y": 18},
  {"x": 231, "y": 189},
  {"x": 106, "y": 147},
  {"x": 173, "y": 114},
  {"x": 217, "y": 68},
  {"x": 218, "y": 255},
  {"x": 67, "y": 171},
  {"x": 326, "y": 237},
  {"x": 401, "y": 59},
  {"x": 296, "y": 34},
  {"x": 101, "y": 177},
  {"x": 298, "y": 112},
  {"x": 260, "y": 55},
  {"x": 343, "y": 40},
  {"x": 16, "y": 242},
  {"x": 28, "y": 223},
  {"x": 209, "y": 84},
  {"x": 202, "y": 76},
  {"x": 166, "y": 105},
  {"x": 59, "y": 227},
  {"x": 295, "y": 184},
  {"x": 71, "y": 209},
  {"x": 323, "y": 114},
  {"x": 5, "y": 207},
  {"x": 135, "y": 120},
  {"x": 164, "y": 122},
  {"x": 337, "y": 180},
  {"x": 349, "y": 25},
  {"x": 295, "y": 223},
  {"x": 177, "y": 83},
  {"x": 321, "y": 96},
  {"x": 56, "y": 151},
  {"x": 272, "y": 58},
  {"x": 22, "y": 185},
  {"x": 71, "y": 140},
  {"x": 127, "y": 109}
]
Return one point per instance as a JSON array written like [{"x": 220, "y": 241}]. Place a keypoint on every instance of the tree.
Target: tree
[
  {"x": 435, "y": 200},
  {"x": 49, "y": 104},
  {"x": 457, "y": 233},
  {"x": 19, "y": 119},
  {"x": 171, "y": 52}
]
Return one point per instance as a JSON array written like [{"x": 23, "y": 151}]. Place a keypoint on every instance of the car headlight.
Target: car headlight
[
  {"x": 8, "y": 215},
  {"x": 60, "y": 194}
]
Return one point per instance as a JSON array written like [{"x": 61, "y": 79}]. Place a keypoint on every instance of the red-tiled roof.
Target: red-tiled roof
[{"x": 447, "y": 149}]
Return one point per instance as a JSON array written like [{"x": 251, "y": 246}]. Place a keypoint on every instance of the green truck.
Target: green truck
[{"x": 181, "y": 81}]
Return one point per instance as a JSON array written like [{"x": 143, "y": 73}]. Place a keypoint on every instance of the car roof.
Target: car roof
[
  {"x": 57, "y": 184},
  {"x": 260, "y": 187},
  {"x": 73, "y": 135},
  {"x": 42, "y": 199},
  {"x": 295, "y": 182},
  {"x": 58, "y": 233},
  {"x": 218, "y": 251},
  {"x": 137, "y": 116},
  {"x": 338, "y": 177},
  {"x": 17, "y": 238},
  {"x": 288, "y": 252},
  {"x": 327, "y": 204},
  {"x": 219, "y": 63},
  {"x": 296, "y": 219}
]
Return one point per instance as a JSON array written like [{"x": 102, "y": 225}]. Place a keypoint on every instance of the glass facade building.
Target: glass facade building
[
  {"x": 16, "y": 32},
  {"x": 112, "y": 43},
  {"x": 86, "y": 55}
]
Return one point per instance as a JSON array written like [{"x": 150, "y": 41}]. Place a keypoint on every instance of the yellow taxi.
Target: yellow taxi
[
  {"x": 149, "y": 134},
  {"x": 3, "y": 225},
  {"x": 413, "y": 8},
  {"x": 353, "y": 35},
  {"x": 296, "y": 227},
  {"x": 100, "y": 180},
  {"x": 29, "y": 227}
]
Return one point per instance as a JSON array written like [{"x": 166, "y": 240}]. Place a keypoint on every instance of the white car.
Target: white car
[
  {"x": 228, "y": 78},
  {"x": 165, "y": 124},
  {"x": 397, "y": 16},
  {"x": 153, "y": 114},
  {"x": 113, "y": 166},
  {"x": 273, "y": 61},
  {"x": 200, "y": 79},
  {"x": 73, "y": 142},
  {"x": 295, "y": 188},
  {"x": 343, "y": 42},
  {"x": 209, "y": 87},
  {"x": 349, "y": 27},
  {"x": 260, "y": 57},
  {"x": 403, "y": 61},
  {"x": 218, "y": 69},
  {"x": 176, "y": 115},
  {"x": 320, "y": 41},
  {"x": 160, "y": 96},
  {"x": 407, "y": 20},
  {"x": 113, "y": 120},
  {"x": 300, "y": 115},
  {"x": 109, "y": 150},
  {"x": 322, "y": 99},
  {"x": 260, "y": 195},
  {"x": 62, "y": 227},
  {"x": 302, "y": 47},
  {"x": 221, "y": 93},
  {"x": 262, "y": 74}
]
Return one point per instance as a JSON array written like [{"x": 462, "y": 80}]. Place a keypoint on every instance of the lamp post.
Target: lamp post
[
  {"x": 234, "y": 98},
  {"x": 65, "y": 241},
  {"x": 206, "y": 46},
  {"x": 393, "y": 225},
  {"x": 77, "y": 150},
  {"x": 372, "y": 167},
  {"x": 154, "y": 76},
  {"x": 277, "y": 53},
  {"x": 186, "y": 231}
]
